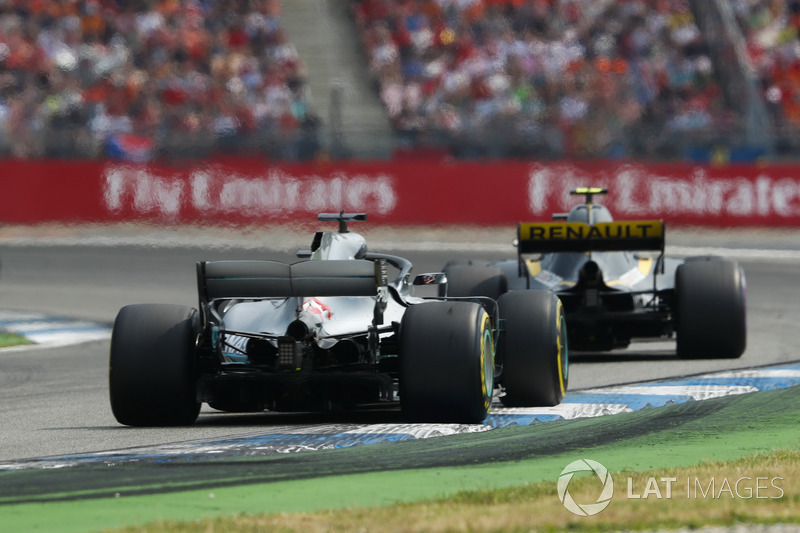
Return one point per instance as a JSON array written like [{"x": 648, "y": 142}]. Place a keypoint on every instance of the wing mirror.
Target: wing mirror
[{"x": 430, "y": 278}]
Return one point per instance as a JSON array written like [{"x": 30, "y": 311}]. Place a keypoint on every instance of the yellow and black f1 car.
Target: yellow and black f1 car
[{"x": 616, "y": 284}]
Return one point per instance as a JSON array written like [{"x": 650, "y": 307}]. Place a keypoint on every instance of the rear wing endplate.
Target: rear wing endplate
[{"x": 629, "y": 235}]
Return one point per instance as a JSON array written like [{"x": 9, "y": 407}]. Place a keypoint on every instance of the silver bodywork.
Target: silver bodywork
[
  {"x": 326, "y": 326},
  {"x": 330, "y": 320}
]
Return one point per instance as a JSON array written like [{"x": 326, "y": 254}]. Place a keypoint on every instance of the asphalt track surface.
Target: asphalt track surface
[{"x": 55, "y": 401}]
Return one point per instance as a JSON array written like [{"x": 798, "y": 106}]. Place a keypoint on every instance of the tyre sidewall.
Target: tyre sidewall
[
  {"x": 533, "y": 348},
  {"x": 446, "y": 362},
  {"x": 152, "y": 377},
  {"x": 710, "y": 308}
]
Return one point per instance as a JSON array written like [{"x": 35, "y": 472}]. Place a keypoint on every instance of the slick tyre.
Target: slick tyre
[
  {"x": 710, "y": 309},
  {"x": 151, "y": 366},
  {"x": 533, "y": 348},
  {"x": 446, "y": 362},
  {"x": 475, "y": 280}
]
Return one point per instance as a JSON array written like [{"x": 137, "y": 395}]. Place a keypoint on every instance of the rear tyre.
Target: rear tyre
[
  {"x": 151, "y": 374},
  {"x": 533, "y": 348},
  {"x": 446, "y": 362},
  {"x": 475, "y": 280},
  {"x": 710, "y": 309}
]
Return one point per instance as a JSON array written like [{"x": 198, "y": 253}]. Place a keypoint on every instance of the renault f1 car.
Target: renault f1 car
[
  {"x": 616, "y": 283},
  {"x": 331, "y": 332}
]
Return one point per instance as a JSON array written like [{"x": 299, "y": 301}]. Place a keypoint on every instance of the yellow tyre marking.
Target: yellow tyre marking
[{"x": 560, "y": 347}]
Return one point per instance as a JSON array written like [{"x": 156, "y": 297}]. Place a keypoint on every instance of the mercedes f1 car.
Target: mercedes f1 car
[
  {"x": 331, "y": 332},
  {"x": 616, "y": 283}
]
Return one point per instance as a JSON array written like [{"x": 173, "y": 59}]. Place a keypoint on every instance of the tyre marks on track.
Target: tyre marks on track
[{"x": 577, "y": 404}]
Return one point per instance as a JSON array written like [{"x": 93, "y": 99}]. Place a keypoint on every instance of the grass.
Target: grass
[
  {"x": 758, "y": 489},
  {"x": 12, "y": 339}
]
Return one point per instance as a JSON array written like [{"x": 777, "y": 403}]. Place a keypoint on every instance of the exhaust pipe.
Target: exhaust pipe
[{"x": 346, "y": 351}]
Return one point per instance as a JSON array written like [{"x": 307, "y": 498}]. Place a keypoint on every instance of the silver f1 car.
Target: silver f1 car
[
  {"x": 334, "y": 332},
  {"x": 616, "y": 284}
]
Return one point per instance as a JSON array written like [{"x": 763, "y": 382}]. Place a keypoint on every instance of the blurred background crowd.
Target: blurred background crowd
[
  {"x": 173, "y": 79},
  {"x": 144, "y": 79}
]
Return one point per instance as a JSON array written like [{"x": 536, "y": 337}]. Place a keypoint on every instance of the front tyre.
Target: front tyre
[
  {"x": 710, "y": 309},
  {"x": 151, "y": 375},
  {"x": 446, "y": 362},
  {"x": 533, "y": 348}
]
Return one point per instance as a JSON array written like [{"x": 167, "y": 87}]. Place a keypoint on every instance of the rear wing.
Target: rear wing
[
  {"x": 273, "y": 279},
  {"x": 549, "y": 237}
]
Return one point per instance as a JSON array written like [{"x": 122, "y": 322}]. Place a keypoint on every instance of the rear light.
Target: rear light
[
  {"x": 290, "y": 354},
  {"x": 592, "y": 299}
]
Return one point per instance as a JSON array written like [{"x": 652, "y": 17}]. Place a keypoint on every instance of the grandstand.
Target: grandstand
[{"x": 371, "y": 79}]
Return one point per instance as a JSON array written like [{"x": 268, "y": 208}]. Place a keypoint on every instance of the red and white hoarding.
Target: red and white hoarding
[{"x": 246, "y": 191}]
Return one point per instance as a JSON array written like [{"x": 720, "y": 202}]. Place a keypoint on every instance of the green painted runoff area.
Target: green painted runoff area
[
  {"x": 12, "y": 339},
  {"x": 96, "y": 497}
]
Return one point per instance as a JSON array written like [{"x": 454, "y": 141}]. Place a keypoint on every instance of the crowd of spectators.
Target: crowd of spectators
[
  {"x": 144, "y": 79},
  {"x": 772, "y": 33},
  {"x": 149, "y": 79},
  {"x": 557, "y": 78}
]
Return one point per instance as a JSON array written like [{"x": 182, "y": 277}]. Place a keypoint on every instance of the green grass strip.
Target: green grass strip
[{"x": 8, "y": 339}]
